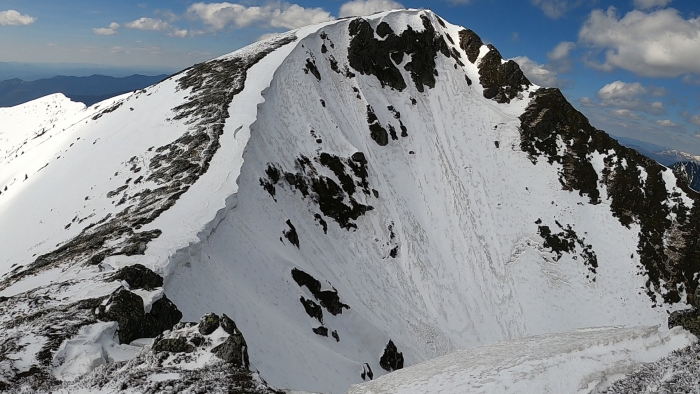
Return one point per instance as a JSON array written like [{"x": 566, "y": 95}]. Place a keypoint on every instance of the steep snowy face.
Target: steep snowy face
[
  {"x": 356, "y": 196},
  {"x": 413, "y": 202}
]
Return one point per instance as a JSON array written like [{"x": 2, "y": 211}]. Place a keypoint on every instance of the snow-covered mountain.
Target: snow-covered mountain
[
  {"x": 355, "y": 196},
  {"x": 680, "y": 156}
]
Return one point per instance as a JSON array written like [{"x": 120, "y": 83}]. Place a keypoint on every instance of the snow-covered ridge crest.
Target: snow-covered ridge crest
[
  {"x": 357, "y": 196},
  {"x": 585, "y": 361}
]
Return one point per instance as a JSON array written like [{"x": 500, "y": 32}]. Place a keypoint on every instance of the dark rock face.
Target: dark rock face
[
  {"x": 367, "y": 372},
  {"x": 126, "y": 308},
  {"x": 565, "y": 242},
  {"x": 139, "y": 277},
  {"x": 228, "y": 325},
  {"x": 321, "y": 330},
  {"x": 329, "y": 299},
  {"x": 470, "y": 43},
  {"x": 291, "y": 234},
  {"x": 501, "y": 81},
  {"x": 377, "y": 131},
  {"x": 323, "y": 190},
  {"x": 208, "y": 323},
  {"x": 689, "y": 319},
  {"x": 371, "y": 56},
  {"x": 312, "y": 309},
  {"x": 669, "y": 245},
  {"x": 234, "y": 350},
  {"x": 392, "y": 359},
  {"x": 311, "y": 68},
  {"x": 173, "y": 345}
]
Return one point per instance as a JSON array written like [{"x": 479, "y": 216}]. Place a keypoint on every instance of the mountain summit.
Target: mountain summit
[{"x": 324, "y": 207}]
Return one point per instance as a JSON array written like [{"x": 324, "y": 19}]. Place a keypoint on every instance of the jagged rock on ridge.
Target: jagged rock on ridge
[
  {"x": 139, "y": 277},
  {"x": 208, "y": 323},
  {"x": 127, "y": 309}
]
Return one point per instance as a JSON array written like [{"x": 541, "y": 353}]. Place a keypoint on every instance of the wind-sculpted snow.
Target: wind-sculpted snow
[
  {"x": 170, "y": 170},
  {"x": 584, "y": 361}
]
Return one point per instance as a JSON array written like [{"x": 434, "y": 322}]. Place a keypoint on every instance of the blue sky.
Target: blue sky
[{"x": 632, "y": 66}]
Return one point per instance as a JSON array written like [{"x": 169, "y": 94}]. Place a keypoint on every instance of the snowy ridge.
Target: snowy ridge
[
  {"x": 408, "y": 204},
  {"x": 583, "y": 361}
]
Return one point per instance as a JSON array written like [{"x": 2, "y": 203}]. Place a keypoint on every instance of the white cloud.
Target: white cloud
[
  {"x": 14, "y": 18},
  {"x": 555, "y": 9},
  {"x": 646, "y": 4},
  {"x": 297, "y": 16},
  {"x": 538, "y": 73},
  {"x": 666, "y": 123},
  {"x": 367, "y": 7},
  {"x": 587, "y": 102},
  {"x": 152, "y": 24},
  {"x": 107, "y": 31},
  {"x": 631, "y": 96},
  {"x": 168, "y": 15},
  {"x": 148, "y": 24},
  {"x": 561, "y": 51},
  {"x": 178, "y": 33},
  {"x": 218, "y": 16},
  {"x": 559, "y": 57},
  {"x": 626, "y": 113},
  {"x": 657, "y": 44},
  {"x": 694, "y": 119}
]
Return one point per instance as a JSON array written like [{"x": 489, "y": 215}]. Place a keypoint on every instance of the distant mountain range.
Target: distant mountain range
[
  {"x": 661, "y": 154},
  {"x": 87, "y": 90},
  {"x": 34, "y": 71}
]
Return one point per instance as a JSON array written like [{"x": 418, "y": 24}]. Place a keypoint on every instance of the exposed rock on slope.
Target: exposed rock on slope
[{"x": 636, "y": 188}]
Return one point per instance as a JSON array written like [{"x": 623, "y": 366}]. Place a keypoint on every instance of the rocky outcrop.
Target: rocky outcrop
[
  {"x": 139, "y": 277},
  {"x": 502, "y": 81},
  {"x": 208, "y": 323},
  {"x": 689, "y": 319},
  {"x": 329, "y": 196},
  {"x": 127, "y": 309},
  {"x": 470, "y": 43},
  {"x": 181, "y": 361},
  {"x": 392, "y": 359},
  {"x": 195, "y": 339},
  {"x": 329, "y": 299},
  {"x": 291, "y": 234},
  {"x": 371, "y": 56}
]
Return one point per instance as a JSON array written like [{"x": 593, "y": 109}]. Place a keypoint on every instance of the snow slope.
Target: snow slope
[
  {"x": 333, "y": 190},
  {"x": 581, "y": 361}
]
